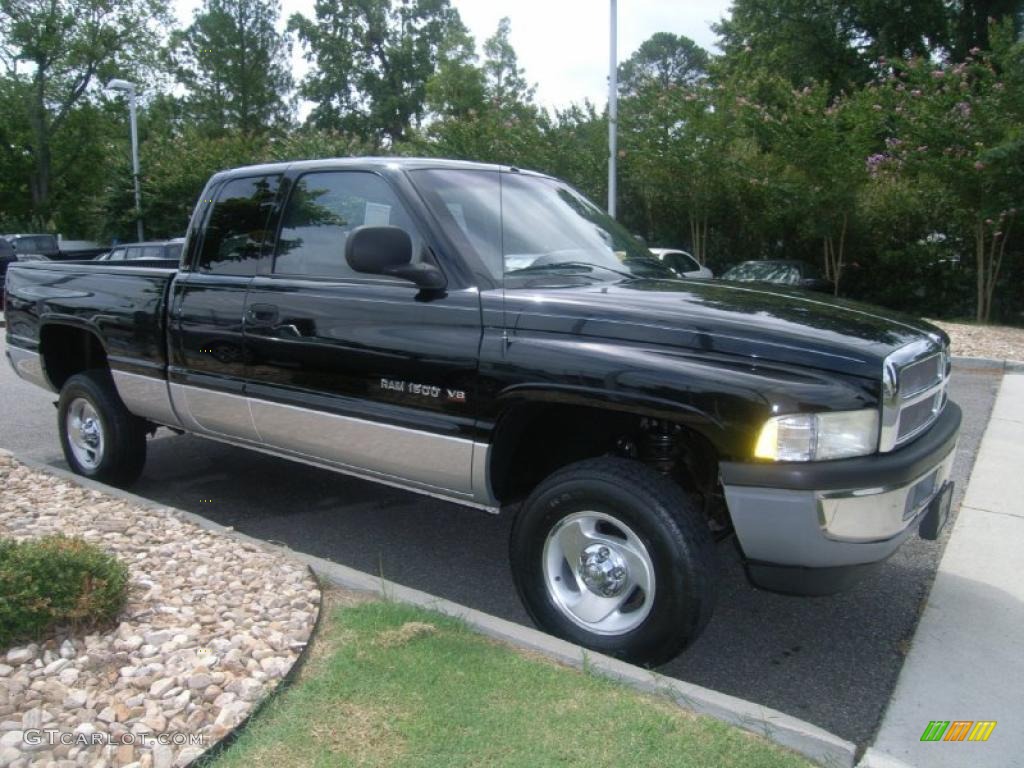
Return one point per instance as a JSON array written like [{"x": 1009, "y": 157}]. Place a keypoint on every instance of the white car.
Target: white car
[{"x": 682, "y": 263}]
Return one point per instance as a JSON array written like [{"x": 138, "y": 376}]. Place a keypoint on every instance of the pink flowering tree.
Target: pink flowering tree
[{"x": 957, "y": 132}]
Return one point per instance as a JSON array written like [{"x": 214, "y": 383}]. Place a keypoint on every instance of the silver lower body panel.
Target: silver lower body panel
[
  {"x": 147, "y": 397},
  {"x": 446, "y": 467}
]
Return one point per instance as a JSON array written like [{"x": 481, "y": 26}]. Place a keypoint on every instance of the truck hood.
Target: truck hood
[{"x": 772, "y": 324}]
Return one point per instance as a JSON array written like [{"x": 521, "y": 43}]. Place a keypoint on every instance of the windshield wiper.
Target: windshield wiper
[{"x": 571, "y": 264}]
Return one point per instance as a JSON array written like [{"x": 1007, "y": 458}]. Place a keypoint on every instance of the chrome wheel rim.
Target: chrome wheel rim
[
  {"x": 85, "y": 433},
  {"x": 598, "y": 573}
]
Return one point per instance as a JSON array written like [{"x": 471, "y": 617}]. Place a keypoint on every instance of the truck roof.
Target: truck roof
[{"x": 368, "y": 163}]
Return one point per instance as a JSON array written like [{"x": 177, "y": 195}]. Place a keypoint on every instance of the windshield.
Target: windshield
[
  {"x": 521, "y": 225},
  {"x": 768, "y": 271},
  {"x": 36, "y": 244}
]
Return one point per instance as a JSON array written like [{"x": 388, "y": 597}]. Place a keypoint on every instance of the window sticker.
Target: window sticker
[
  {"x": 377, "y": 215},
  {"x": 459, "y": 214}
]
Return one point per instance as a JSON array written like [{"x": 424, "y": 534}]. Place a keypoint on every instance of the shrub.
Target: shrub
[{"x": 57, "y": 580}]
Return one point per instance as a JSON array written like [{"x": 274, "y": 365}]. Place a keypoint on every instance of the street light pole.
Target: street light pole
[
  {"x": 613, "y": 111},
  {"x": 124, "y": 85}
]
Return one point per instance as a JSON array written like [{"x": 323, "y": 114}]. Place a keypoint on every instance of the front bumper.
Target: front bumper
[{"x": 815, "y": 527}]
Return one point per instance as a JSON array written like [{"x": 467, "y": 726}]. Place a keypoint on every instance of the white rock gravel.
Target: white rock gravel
[
  {"x": 210, "y": 628},
  {"x": 997, "y": 342}
]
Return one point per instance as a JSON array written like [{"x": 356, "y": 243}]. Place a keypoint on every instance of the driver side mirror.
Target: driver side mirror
[{"x": 388, "y": 251}]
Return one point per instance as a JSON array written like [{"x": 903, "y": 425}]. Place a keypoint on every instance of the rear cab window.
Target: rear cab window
[{"x": 238, "y": 225}]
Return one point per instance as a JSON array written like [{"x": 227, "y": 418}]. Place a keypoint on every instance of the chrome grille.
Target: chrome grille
[
  {"x": 920, "y": 375},
  {"x": 914, "y": 391},
  {"x": 914, "y": 418}
]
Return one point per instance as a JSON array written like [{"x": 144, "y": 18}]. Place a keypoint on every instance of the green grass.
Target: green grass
[{"x": 391, "y": 685}]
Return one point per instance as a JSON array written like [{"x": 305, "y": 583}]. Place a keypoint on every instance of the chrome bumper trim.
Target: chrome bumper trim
[
  {"x": 877, "y": 514},
  {"x": 29, "y": 366}
]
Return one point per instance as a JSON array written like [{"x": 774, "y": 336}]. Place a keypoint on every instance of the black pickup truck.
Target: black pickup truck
[{"x": 487, "y": 335}]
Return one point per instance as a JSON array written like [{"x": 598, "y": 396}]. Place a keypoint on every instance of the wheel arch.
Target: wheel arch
[
  {"x": 66, "y": 349},
  {"x": 539, "y": 430}
]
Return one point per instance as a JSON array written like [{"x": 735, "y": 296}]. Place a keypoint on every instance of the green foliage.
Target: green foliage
[
  {"x": 67, "y": 47},
  {"x": 876, "y": 139},
  {"x": 56, "y": 580},
  {"x": 372, "y": 62},
  {"x": 663, "y": 60},
  {"x": 506, "y": 82},
  {"x": 234, "y": 65}
]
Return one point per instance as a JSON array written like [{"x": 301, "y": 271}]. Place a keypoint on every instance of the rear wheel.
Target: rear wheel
[
  {"x": 609, "y": 554},
  {"x": 100, "y": 437}
]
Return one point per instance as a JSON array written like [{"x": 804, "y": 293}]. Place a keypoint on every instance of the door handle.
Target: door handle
[{"x": 261, "y": 314}]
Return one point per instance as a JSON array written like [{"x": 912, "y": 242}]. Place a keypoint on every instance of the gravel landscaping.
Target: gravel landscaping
[
  {"x": 999, "y": 342},
  {"x": 210, "y": 628}
]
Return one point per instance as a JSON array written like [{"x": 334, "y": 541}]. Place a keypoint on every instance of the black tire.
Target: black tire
[
  {"x": 123, "y": 452},
  {"x": 667, "y": 522}
]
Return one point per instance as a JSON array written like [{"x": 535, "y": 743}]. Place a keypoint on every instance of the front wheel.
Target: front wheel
[
  {"x": 609, "y": 554},
  {"x": 100, "y": 437}
]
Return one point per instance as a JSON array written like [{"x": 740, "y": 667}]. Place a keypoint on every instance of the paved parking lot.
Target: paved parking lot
[{"x": 830, "y": 660}]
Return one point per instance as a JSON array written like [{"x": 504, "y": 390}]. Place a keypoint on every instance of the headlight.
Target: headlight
[{"x": 818, "y": 436}]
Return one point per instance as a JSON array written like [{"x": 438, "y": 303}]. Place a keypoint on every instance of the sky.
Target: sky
[{"x": 562, "y": 44}]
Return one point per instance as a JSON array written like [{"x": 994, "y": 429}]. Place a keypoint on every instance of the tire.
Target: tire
[
  {"x": 101, "y": 439},
  {"x": 658, "y": 564}
]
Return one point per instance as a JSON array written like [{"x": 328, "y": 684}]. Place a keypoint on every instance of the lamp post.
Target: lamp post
[
  {"x": 129, "y": 88},
  {"x": 613, "y": 110}
]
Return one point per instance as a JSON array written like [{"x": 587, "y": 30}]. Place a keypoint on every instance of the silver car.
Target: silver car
[{"x": 682, "y": 263}]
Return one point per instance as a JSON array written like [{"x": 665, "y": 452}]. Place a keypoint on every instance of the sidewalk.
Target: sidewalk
[{"x": 967, "y": 657}]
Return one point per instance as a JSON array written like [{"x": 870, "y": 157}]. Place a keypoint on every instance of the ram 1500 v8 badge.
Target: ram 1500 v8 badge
[{"x": 489, "y": 336}]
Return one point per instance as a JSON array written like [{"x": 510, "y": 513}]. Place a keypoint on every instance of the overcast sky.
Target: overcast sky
[{"x": 562, "y": 44}]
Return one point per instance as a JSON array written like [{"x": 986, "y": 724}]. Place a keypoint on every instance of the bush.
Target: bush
[{"x": 57, "y": 580}]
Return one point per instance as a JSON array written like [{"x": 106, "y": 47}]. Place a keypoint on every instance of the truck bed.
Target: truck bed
[{"x": 124, "y": 305}]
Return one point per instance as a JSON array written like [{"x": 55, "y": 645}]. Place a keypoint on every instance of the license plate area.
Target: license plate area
[{"x": 938, "y": 513}]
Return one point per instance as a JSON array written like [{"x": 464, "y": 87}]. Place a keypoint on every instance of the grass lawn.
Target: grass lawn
[{"x": 391, "y": 685}]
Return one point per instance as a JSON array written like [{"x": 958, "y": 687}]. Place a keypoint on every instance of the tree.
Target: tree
[
  {"x": 802, "y": 41},
  {"x": 234, "y": 64},
  {"x": 456, "y": 89},
  {"x": 373, "y": 60},
  {"x": 506, "y": 83},
  {"x": 955, "y": 128},
  {"x": 663, "y": 60},
  {"x": 493, "y": 118},
  {"x": 66, "y": 47}
]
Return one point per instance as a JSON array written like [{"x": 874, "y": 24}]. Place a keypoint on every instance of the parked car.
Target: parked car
[
  {"x": 9, "y": 255},
  {"x": 151, "y": 251},
  {"x": 488, "y": 336},
  {"x": 38, "y": 245},
  {"x": 52, "y": 247},
  {"x": 682, "y": 263},
  {"x": 782, "y": 272}
]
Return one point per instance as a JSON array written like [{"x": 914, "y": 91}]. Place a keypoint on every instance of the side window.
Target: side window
[
  {"x": 116, "y": 255},
  {"x": 680, "y": 262},
  {"x": 151, "y": 252},
  {"x": 236, "y": 228},
  {"x": 321, "y": 211}
]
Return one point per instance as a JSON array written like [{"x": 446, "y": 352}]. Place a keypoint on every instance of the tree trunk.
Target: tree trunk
[
  {"x": 40, "y": 179},
  {"x": 841, "y": 254},
  {"x": 979, "y": 252}
]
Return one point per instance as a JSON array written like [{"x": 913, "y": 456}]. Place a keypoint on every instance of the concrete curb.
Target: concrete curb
[
  {"x": 802, "y": 737},
  {"x": 875, "y": 758},
  {"x": 987, "y": 363}
]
